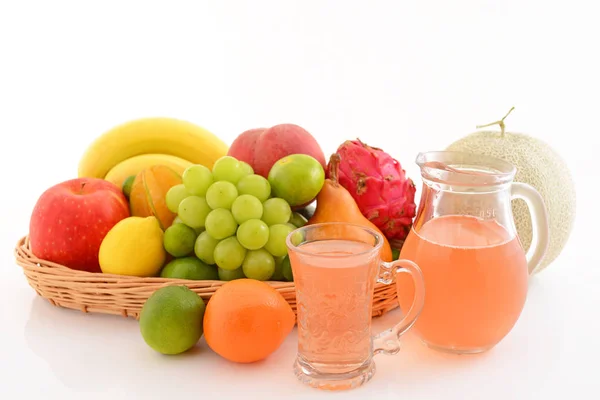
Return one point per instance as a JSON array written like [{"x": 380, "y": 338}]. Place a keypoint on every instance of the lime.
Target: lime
[
  {"x": 190, "y": 268},
  {"x": 231, "y": 274},
  {"x": 297, "y": 179},
  {"x": 179, "y": 240},
  {"x": 127, "y": 184},
  {"x": 171, "y": 320},
  {"x": 286, "y": 269}
]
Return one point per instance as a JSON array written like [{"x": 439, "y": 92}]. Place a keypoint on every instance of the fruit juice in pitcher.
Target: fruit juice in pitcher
[
  {"x": 465, "y": 242},
  {"x": 476, "y": 280}
]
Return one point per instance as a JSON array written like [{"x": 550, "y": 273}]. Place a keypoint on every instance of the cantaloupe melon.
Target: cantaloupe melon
[{"x": 539, "y": 166}]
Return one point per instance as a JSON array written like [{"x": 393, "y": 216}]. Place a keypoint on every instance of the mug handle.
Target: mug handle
[
  {"x": 539, "y": 221},
  {"x": 388, "y": 341}
]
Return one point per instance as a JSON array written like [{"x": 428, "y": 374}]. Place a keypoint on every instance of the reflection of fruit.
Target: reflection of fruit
[
  {"x": 247, "y": 320},
  {"x": 70, "y": 220},
  {"x": 189, "y": 268},
  {"x": 297, "y": 179},
  {"x": 539, "y": 166},
  {"x": 335, "y": 204},
  {"x": 379, "y": 186},
  {"x": 172, "y": 319},
  {"x": 136, "y": 164},
  {"x": 261, "y": 148},
  {"x": 134, "y": 246},
  {"x": 148, "y": 194},
  {"x": 150, "y": 136}
]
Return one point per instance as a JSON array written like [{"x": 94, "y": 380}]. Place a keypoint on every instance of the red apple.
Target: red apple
[
  {"x": 69, "y": 221},
  {"x": 261, "y": 148}
]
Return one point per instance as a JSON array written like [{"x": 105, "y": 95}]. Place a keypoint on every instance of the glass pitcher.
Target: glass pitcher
[{"x": 465, "y": 242}]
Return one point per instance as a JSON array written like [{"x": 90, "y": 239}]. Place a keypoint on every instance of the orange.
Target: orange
[
  {"x": 247, "y": 320},
  {"x": 148, "y": 192}
]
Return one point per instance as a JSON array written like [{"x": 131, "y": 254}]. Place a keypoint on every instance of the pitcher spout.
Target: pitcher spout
[{"x": 464, "y": 169}]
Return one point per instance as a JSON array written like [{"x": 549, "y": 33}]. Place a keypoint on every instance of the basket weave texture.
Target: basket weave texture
[{"x": 125, "y": 295}]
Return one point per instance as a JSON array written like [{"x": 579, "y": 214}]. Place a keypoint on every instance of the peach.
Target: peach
[{"x": 261, "y": 148}]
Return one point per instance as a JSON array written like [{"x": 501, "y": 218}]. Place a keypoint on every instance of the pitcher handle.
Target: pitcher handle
[
  {"x": 388, "y": 341},
  {"x": 539, "y": 221}
]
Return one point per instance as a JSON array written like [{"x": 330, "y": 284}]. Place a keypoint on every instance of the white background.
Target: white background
[{"x": 407, "y": 76}]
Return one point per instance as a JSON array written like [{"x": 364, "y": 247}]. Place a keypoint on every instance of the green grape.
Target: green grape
[
  {"x": 253, "y": 234},
  {"x": 193, "y": 211},
  {"x": 259, "y": 265},
  {"x": 276, "y": 244},
  {"x": 205, "y": 247},
  {"x": 291, "y": 225},
  {"x": 256, "y": 186},
  {"x": 228, "y": 169},
  {"x": 221, "y": 194},
  {"x": 298, "y": 220},
  {"x": 178, "y": 220},
  {"x": 230, "y": 275},
  {"x": 276, "y": 211},
  {"x": 220, "y": 224},
  {"x": 229, "y": 254},
  {"x": 246, "y": 168},
  {"x": 278, "y": 273},
  {"x": 197, "y": 179},
  {"x": 174, "y": 196},
  {"x": 179, "y": 240},
  {"x": 246, "y": 207},
  {"x": 286, "y": 269}
]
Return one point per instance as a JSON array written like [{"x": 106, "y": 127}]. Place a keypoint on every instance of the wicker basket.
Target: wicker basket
[{"x": 125, "y": 295}]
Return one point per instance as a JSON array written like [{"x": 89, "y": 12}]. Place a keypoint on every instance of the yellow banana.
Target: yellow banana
[
  {"x": 159, "y": 135},
  {"x": 133, "y": 165}
]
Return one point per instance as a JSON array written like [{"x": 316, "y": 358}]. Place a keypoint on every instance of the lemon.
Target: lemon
[{"x": 134, "y": 246}]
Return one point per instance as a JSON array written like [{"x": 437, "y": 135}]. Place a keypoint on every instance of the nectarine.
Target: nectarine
[{"x": 261, "y": 148}]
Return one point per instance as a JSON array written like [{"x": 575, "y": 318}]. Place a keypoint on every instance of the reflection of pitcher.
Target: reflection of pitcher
[{"x": 465, "y": 242}]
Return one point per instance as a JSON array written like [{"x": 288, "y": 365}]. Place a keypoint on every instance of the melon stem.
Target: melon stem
[{"x": 500, "y": 123}]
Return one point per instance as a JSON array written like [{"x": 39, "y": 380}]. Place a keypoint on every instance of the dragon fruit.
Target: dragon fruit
[{"x": 380, "y": 187}]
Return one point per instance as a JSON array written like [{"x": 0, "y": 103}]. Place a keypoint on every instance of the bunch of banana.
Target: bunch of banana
[{"x": 127, "y": 149}]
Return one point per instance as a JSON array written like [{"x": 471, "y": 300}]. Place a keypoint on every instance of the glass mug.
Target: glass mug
[
  {"x": 335, "y": 267},
  {"x": 465, "y": 242}
]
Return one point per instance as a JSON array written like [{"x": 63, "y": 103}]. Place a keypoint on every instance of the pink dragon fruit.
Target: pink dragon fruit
[{"x": 380, "y": 187}]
